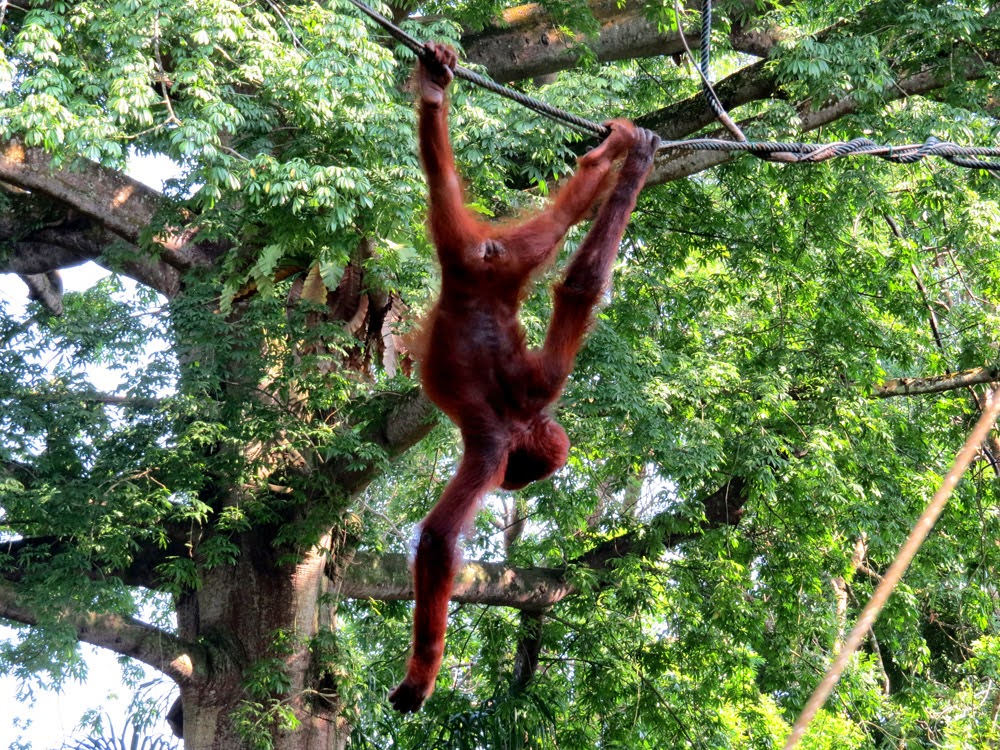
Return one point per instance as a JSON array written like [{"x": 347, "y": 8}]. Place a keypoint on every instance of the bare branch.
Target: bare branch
[
  {"x": 752, "y": 83},
  {"x": 46, "y": 288},
  {"x": 118, "y": 203},
  {"x": 526, "y": 43},
  {"x": 937, "y": 383},
  {"x": 387, "y": 577},
  {"x": 91, "y": 397},
  {"x": 123, "y": 205},
  {"x": 123, "y": 635},
  {"x": 43, "y": 236},
  {"x": 677, "y": 164}
]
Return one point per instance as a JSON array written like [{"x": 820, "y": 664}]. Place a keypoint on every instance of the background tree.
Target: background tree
[{"x": 789, "y": 359}]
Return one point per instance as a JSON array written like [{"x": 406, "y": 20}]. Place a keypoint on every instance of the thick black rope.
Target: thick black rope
[
  {"x": 704, "y": 58},
  {"x": 587, "y": 126},
  {"x": 962, "y": 156}
]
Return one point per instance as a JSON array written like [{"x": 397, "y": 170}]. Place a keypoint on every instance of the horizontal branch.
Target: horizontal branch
[
  {"x": 525, "y": 42},
  {"x": 387, "y": 577},
  {"x": 937, "y": 383},
  {"x": 677, "y": 164},
  {"x": 89, "y": 397},
  {"x": 127, "y": 636},
  {"x": 140, "y": 571}
]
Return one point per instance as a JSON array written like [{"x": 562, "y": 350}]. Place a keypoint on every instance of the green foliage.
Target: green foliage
[
  {"x": 130, "y": 737},
  {"x": 756, "y": 310}
]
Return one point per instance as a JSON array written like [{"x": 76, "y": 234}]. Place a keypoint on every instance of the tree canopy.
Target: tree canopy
[{"x": 789, "y": 359}]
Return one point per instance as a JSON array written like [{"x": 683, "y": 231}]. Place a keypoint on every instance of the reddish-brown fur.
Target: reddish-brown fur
[{"x": 475, "y": 365}]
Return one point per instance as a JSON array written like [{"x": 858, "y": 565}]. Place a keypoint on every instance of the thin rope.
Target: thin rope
[
  {"x": 892, "y": 576},
  {"x": 962, "y": 156}
]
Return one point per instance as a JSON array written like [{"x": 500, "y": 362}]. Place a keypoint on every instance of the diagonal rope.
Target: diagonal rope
[
  {"x": 895, "y": 573},
  {"x": 587, "y": 126},
  {"x": 962, "y": 156}
]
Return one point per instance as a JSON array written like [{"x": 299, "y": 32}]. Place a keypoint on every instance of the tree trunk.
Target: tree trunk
[{"x": 264, "y": 679}]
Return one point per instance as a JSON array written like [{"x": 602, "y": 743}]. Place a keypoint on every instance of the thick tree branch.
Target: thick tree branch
[
  {"x": 123, "y": 635},
  {"x": 753, "y": 83},
  {"x": 141, "y": 570},
  {"x": 387, "y": 577},
  {"x": 405, "y": 419},
  {"x": 43, "y": 235},
  {"x": 123, "y": 205},
  {"x": 119, "y": 204},
  {"x": 529, "y": 648},
  {"x": 525, "y": 42},
  {"x": 46, "y": 288},
  {"x": 937, "y": 383}
]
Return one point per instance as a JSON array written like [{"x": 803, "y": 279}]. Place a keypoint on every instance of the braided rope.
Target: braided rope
[
  {"x": 705, "y": 58},
  {"x": 962, "y": 156}
]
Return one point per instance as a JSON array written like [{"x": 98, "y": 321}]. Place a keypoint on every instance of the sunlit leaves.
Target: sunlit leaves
[{"x": 754, "y": 311}]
